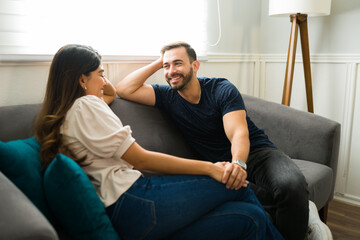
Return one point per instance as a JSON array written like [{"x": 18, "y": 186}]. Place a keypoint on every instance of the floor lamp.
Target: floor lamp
[{"x": 298, "y": 10}]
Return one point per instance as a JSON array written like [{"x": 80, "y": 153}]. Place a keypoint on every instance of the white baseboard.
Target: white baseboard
[{"x": 349, "y": 199}]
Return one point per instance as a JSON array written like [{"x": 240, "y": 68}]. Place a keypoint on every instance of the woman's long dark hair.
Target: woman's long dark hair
[{"x": 63, "y": 88}]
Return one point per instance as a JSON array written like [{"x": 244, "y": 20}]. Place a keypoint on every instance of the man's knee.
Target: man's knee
[{"x": 292, "y": 188}]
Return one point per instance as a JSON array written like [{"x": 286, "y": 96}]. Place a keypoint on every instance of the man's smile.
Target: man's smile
[{"x": 175, "y": 79}]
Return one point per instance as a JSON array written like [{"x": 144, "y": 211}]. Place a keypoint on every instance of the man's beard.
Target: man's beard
[{"x": 186, "y": 79}]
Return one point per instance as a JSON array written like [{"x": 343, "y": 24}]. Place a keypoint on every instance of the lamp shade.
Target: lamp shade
[{"x": 309, "y": 7}]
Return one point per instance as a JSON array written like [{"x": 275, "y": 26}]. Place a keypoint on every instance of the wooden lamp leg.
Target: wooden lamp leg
[
  {"x": 298, "y": 20},
  {"x": 289, "y": 73},
  {"x": 302, "y": 19}
]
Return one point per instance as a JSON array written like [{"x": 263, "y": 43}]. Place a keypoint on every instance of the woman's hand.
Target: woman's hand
[
  {"x": 217, "y": 171},
  {"x": 109, "y": 92}
]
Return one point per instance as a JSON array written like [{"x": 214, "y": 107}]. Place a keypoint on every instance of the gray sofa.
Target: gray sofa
[{"x": 310, "y": 140}]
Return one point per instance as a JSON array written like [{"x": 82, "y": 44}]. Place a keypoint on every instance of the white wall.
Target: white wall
[
  {"x": 240, "y": 21},
  {"x": 252, "y": 54},
  {"x": 22, "y": 82},
  {"x": 336, "y": 34},
  {"x": 335, "y": 57}
]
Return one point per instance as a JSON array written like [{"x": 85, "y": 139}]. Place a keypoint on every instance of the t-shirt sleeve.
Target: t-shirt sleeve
[
  {"x": 229, "y": 97},
  {"x": 93, "y": 124},
  {"x": 160, "y": 91}
]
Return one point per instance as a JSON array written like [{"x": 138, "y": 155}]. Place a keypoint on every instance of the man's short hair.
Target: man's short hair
[{"x": 189, "y": 50}]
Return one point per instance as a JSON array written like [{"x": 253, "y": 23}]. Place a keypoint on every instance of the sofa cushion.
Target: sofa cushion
[
  {"x": 73, "y": 200},
  {"x": 20, "y": 162},
  {"x": 319, "y": 179},
  {"x": 20, "y": 219}
]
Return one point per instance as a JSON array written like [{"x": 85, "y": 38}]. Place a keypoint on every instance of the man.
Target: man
[{"x": 212, "y": 116}]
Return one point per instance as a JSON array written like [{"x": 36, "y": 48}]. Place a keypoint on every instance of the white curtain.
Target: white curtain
[{"x": 113, "y": 27}]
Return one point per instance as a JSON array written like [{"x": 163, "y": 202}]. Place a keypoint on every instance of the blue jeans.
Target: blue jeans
[{"x": 189, "y": 207}]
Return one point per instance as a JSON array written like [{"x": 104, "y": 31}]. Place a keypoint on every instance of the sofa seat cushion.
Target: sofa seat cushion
[{"x": 319, "y": 178}]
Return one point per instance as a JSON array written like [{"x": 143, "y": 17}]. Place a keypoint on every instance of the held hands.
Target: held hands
[{"x": 233, "y": 176}]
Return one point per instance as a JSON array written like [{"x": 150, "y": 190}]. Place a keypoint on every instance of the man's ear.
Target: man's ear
[{"x": 196, "y": 65}]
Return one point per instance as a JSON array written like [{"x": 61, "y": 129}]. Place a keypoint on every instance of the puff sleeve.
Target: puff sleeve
[{"x": 91, "y": 122}]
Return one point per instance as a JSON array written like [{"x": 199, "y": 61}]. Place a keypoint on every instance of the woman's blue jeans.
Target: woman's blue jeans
[{"x": 189, "y": 207}]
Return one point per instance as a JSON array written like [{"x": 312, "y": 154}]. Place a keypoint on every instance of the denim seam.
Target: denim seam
[
  {"x": 237, "y": 212},
  {"x": 176, "y": 183},
  {"x": 116, "y": 208},
  {"x": 152, "y": 208}
]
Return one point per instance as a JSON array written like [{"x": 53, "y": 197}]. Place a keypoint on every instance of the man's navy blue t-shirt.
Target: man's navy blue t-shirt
[{"x": 202, "y": 123}]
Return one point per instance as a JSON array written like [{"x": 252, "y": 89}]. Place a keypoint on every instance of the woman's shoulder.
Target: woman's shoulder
[
  {"x": 89, "y": 104},
  {"x": 91, "y": 101}
]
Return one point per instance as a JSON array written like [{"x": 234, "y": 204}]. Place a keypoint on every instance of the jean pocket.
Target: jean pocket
[{"x": 133, "y": 217}]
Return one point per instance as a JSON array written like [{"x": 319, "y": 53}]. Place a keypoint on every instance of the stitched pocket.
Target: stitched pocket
[{"x": 133, "y": 217}]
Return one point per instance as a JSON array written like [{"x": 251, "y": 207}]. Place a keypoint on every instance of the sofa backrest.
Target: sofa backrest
[
  {"x": 152, "y": 129},
  {"x": 300, "y": 134},
  {"x": 17, "y": 122}
]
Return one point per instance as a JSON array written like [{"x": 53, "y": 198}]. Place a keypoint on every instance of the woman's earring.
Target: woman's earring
[{"x": 85, "y": 88}]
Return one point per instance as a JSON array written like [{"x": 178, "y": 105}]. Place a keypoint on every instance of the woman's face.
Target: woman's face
[{"x": 94, "y": 83}]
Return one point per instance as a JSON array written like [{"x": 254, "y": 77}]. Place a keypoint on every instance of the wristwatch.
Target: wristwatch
[{"x": 240, "y": 163}]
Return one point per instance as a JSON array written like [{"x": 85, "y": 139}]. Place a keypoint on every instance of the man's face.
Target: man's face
[{"x": 178, "y": 70}]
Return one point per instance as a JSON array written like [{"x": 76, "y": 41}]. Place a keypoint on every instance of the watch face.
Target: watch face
[{"x": 241, "y": 163}]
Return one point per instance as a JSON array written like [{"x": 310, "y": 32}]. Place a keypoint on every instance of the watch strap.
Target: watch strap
[{"x": 240, "y": 163}]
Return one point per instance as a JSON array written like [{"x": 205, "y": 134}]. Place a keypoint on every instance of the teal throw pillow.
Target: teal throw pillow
[
  {"x": 74, "y": 202},
  {"x": 20, "y": 162}
]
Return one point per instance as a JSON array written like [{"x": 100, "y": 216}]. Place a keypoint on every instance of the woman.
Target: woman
[{"x": 75, "y": 120}]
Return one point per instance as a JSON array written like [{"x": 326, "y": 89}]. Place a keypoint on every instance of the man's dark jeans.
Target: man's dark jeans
[{"x": 282, "y": 190}]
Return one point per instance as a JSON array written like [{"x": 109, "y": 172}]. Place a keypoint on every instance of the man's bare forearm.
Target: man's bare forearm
[
  {"x": 240, "y": 148},
  {"x": 135, "y": 80},
  {"x": 236, "y": 130}
]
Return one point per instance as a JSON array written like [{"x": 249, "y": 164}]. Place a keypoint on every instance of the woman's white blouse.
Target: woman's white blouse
[{"x": 92, "y": 129}]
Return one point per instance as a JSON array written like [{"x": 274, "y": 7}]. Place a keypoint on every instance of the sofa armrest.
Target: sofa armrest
[
  {"x": 20, "y": 219},
  {"x": 299, "y": 134}
]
